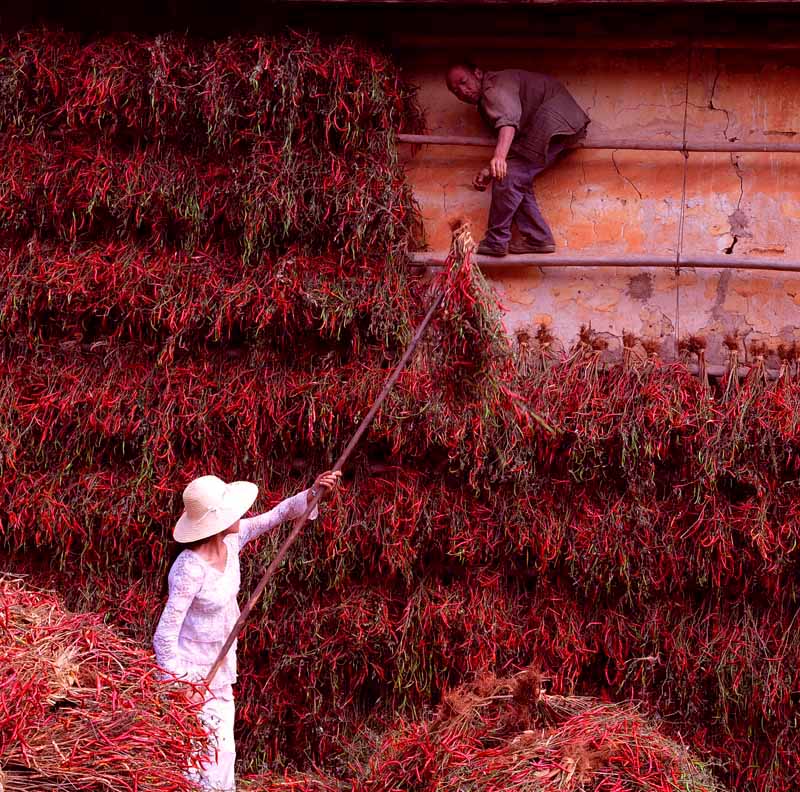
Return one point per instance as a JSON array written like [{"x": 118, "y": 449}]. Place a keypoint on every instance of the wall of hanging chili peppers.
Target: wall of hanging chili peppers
[{"x": 203, "y": 270}]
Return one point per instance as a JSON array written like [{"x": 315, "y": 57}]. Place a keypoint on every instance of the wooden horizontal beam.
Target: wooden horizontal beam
[
  {"x": 416, "y": 41},
  {"x": 567, "y": 260},
  {"x": 617, "y": 144},
  {"x": 558, "y": 3}
]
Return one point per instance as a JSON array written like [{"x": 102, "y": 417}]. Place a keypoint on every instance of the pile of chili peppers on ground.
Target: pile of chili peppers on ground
[
  {"x": 499, "y": 734},
  {"x": 82, "y": 708},
  {"x": 203, "y": 270},
  {"x": 492, "y": 735}
]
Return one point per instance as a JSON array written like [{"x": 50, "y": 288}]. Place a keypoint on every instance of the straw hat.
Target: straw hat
[{"x": 211, "y": 506}]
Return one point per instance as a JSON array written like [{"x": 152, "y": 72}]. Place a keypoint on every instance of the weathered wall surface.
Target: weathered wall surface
[{"x": 628, "y": 202}]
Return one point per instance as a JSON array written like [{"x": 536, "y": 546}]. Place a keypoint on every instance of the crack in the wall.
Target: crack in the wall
[
  {"x": 712, "y": 106},
  {"x": 651, "y": 104},
  {"x": 738, "y": 170},
  {"x": 732, "y": 245},
  {"x": 737, "y": 219},
  {"x": 622, "y": 175}
]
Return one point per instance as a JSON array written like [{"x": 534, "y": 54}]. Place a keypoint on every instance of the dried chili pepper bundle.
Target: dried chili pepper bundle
[
  {"x": 83, "y": 708},
  {"x": 494, "y": 734}
]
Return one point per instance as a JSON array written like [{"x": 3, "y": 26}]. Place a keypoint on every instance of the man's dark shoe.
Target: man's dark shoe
[
  {"x": 529, "y": 246},
  {"x": 485, "y": 249}
]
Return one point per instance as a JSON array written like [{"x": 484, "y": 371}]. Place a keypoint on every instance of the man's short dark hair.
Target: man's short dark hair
[{"x": 463, "y": 63}]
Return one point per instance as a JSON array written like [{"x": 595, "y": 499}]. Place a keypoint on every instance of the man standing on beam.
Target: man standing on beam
[{"x": 537, "y": 119}]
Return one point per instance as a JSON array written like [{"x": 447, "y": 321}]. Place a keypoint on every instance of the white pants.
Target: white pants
[{"x": 217, "y": 773}]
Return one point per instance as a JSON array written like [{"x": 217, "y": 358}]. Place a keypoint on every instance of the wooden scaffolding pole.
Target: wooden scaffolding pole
[
  {"x": 466, "y": 43},
  {"x": 618, "y": 144},
  {"x": 725, "y": 262}
]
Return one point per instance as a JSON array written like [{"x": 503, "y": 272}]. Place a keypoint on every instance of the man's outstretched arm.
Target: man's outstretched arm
[{"x": 498, "y": 166}]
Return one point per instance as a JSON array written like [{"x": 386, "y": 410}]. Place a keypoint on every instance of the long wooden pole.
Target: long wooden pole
[
  {"x": 298, "y": 526},
  {"x": 532, "y": 43},
  {"x": 618, "y": 144},
  {"x": 434, "y": 259}
]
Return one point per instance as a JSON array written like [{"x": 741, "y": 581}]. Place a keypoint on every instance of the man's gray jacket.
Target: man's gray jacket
[{"x": 536, "y": 105}]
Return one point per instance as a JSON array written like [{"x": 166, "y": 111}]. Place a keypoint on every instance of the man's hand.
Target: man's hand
[{"x": 498, "y": 168}]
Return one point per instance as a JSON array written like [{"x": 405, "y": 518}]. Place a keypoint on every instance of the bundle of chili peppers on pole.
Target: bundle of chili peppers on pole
[{"x": 203, "y": 270}]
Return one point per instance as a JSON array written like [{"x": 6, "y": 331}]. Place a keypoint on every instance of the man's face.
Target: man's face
[{"x": 464, "y": 84}]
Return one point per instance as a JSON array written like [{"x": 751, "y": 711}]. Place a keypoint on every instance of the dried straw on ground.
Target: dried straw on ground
[{"x": 82, "y": 708}]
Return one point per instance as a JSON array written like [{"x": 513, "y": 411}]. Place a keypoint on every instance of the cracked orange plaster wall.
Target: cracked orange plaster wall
[{"x": 628, "y": 202}]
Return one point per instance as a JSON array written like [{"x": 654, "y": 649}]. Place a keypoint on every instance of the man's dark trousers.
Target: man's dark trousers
[{"x": 513, "y": 199}]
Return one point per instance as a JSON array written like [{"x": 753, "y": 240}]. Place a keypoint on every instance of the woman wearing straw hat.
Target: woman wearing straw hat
[{"x": 202, "y": 608}]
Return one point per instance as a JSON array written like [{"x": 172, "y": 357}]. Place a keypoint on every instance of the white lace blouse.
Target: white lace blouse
[{"x": 202, "y": 609}]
